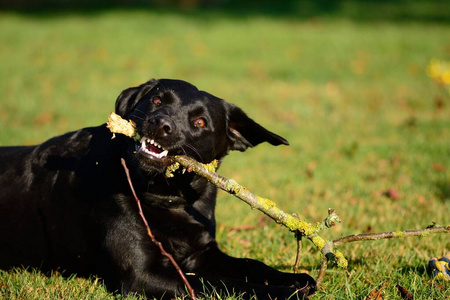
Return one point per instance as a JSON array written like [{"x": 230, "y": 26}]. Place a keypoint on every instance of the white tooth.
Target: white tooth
[{"x": 164, "y": 153}]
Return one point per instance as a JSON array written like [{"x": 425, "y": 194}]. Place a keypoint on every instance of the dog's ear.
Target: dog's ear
[
  {"x": 128, "y": 99},
  {"x": 244, "y": 132}
]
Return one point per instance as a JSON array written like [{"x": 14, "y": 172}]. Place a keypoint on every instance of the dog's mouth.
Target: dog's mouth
[{"x": 151, "y": 149}]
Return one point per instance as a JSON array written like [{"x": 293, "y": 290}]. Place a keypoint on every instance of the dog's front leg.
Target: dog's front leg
[
  {"x": 134, "y": 264},
  {"x": 248, "y": 276}
]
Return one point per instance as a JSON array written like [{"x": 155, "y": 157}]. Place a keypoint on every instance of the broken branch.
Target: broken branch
[
  {"x": 268, "y": 207},
  {"x": 390, "y": 235},
  {"x": 378, "y": 236}
]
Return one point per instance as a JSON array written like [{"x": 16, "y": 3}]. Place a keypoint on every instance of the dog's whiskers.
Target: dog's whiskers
[
  {"x": 136, "y": 112},
  {"x": 140, "y": 118},
  {"x": 140, "y": 111},
  {"x": 144, "y": 115},
  {"x": 193, "y": 149},
  {"x": 185, "y": 153}
]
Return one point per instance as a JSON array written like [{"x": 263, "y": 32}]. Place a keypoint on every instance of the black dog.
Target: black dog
[{"x": 66, "y": 204}]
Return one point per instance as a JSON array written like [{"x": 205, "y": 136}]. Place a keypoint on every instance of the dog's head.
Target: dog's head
[{"x": 174, "y": 118}]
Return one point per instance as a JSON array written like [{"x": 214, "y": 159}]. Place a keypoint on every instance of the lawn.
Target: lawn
[{"x": 352, "y": 97}]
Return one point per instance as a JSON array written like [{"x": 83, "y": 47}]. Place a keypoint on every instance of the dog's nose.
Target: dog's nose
[{"x": 160, "y": 124}]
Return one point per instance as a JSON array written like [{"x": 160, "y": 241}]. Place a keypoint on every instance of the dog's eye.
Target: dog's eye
[
  {"x": 200, "y": 123},
  {"x": 156, "y": 100}
]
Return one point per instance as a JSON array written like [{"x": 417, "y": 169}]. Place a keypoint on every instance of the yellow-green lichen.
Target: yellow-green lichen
[
  {"x": 425, "y": 234},
  {"x": 172, "y": 168},
  {"x": 398, "y": 233},
  {"x": 232, "y": 186},
  {"x": 341, "y": 261},
  {"x": 295, "y": 224},
  {"x": 318, "y": 241},
  {"x": 312, "y": 228},
  {"x": 212, "y": 166},
  {"x": 265, "y": 203}
]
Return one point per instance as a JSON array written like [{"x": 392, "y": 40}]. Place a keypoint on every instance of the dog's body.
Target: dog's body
[{"x": 66, "y": 204}]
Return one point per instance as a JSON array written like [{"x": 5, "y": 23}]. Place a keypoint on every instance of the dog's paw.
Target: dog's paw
[{"x": 302, "y": 283}]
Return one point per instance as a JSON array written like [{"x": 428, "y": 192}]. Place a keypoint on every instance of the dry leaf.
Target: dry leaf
[
  {"x": 391, "y": 194},
  {"x": 404, "y": 292},
  {"x": 377, "y": 294}
]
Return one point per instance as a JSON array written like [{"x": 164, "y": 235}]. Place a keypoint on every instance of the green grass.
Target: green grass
[{"x": 352, "y": 97}]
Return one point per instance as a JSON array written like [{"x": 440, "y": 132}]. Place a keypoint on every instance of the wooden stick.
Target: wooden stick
[
  {"x": 300, "y": 227},
  {"x": 152, "y": 237},
  {"x": 323, "y": 268},
  {"x": 391, "y": 235},
  {"x": 268, "y": 207},
  {"x": 298, "y": 237}
]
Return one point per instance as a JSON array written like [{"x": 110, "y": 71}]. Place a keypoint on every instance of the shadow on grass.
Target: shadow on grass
[
  {"x": 419, "y": 269},
  {"x": 425, "y": 11},
  {"x": 443, "y": 189}
]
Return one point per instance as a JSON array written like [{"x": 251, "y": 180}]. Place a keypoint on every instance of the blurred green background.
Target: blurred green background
[{"x": 344, "y": 81}]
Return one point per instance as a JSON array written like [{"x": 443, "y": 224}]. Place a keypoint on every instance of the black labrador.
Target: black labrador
[{"x": 66, "y": 204}]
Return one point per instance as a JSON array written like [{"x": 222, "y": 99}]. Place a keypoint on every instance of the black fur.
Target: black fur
[{"x": 66, "y": 204}]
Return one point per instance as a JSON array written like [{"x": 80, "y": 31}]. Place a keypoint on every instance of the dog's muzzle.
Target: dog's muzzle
[{"x": 151, "y": 149}]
